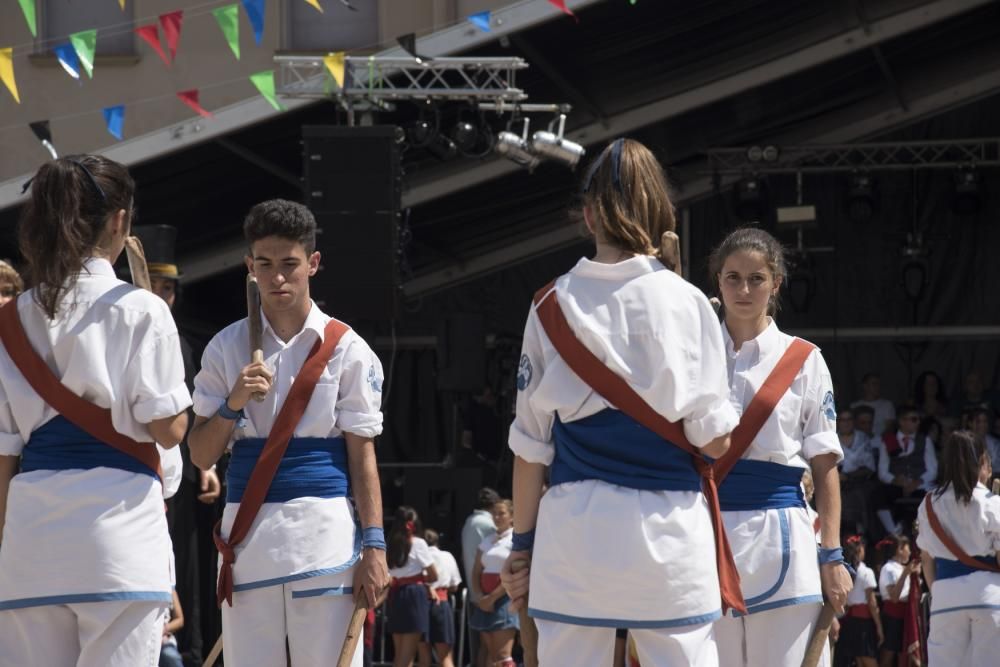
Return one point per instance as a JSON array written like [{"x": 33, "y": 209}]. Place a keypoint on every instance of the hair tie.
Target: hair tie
[
  {"x": 854, "y": 539},
  {"x": 409, "y": 529},
  {"x": 616, "y": 163},
  {"x": 884, "y": 542}
]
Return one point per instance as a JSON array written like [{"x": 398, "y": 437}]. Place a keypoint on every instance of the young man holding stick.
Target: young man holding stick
[{"x": 293, "y": 545}]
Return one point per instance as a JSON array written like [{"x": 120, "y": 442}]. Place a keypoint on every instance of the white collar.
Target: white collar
[
  {"x": 98, "y": 266},
  {"x": 632, "y": 267},
  {"x": 764, "y": 343},
  {"x": 315, "y": 322}
]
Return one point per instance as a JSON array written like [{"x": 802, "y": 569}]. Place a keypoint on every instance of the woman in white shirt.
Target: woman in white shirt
[
  {"x": 965, "y": 599},
  {"x": 84, "y": 560},
  {"x": 492, "y": 616},
  {"x": 411, "y": 566},
  {"x": 769, "y": 528}
]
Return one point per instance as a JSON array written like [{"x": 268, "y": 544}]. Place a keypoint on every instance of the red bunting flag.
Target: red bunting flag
[
  {"x": 171, "y": 23},
  {"x": 561, "y": 4},
  {"x": 190, "y": 98},
  {"x": 151, "y": 34}
]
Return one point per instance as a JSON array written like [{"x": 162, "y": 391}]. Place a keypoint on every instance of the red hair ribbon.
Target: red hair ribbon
[
  {"x": 884, "y": 542},
  {"x": 409, "y": 528},
  {"x": 855, "y": 539}
]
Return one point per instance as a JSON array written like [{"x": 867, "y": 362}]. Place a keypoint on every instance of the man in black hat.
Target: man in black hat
[{"x": 191, "y": 513}]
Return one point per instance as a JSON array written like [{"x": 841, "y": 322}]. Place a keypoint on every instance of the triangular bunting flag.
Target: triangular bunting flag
[
  {"x": 7, "y": 72},
  {"x": 190, "y": 98},
  {"x": 151, "y": 35},
  {"x": 67, "y": 58},
  {"x": 41, "y": 130},
  {"x": 171, "y": 23},
  {"x": 28, "y": 9},
  {"x": 561, "y": 4},
  {"x": 114, "y": 117},
  {"x": 335, "y": 66},
  {"x": 315, "y": 3},
  {"x": 255, "y": 12},
  {"x": 265, "y": 84},
  {"x": 347, "y": 3},
  {"x": 408, "y": 42},
  {"x": 481, "y": 21},
  {"x": 85, "y": 43},
  {"x": 121, "y": 3},
  {"x": 228, "y": 18}
]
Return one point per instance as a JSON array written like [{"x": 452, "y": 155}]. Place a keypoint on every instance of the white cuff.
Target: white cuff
[
  {"x": 818, "y": 444},
  {"x": 11, "y": 444},
  {"x": 365, "y": 424},
  {"x": 164, "y": 405},
  {"x": 206, "y": 405},
  {"x": 529, "y": 449},
  {"x": 717, "y": 422}
]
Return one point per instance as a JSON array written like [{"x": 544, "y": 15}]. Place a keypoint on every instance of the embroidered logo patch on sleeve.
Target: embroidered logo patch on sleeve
[
  {"x": 373, "y": 380},
  {"x": 524, "y": 373},
  {"x": 829, "y": 410}
]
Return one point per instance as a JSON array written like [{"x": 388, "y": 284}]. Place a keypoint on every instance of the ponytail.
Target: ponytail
[
  {"x": 959, "y": 463},
  {"x": 405, "y": 524}
]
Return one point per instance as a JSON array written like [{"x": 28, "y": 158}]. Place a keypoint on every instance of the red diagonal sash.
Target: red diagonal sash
[
  {"x": 949, "y": 542},
  {"x": 82, "y": 413},
  {"x": 274, "y": 449},
  {"x": 763, "y": 404},
  {"x": 618, "y": 393}
]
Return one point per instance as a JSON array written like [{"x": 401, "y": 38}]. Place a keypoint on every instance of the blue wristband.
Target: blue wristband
[
  {"x": 373, "y": 538},
  {"x": 834, "y": 555},
  {"x": 228, "y": 413},
  {"x": 523, "y": 541}
]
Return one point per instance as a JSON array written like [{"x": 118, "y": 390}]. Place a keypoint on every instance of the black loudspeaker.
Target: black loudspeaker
[
  {"x": 461, "y": 353},
  {"x": 353, "y": 179}
]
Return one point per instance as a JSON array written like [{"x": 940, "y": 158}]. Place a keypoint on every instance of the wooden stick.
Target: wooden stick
[
  {"x": 356, "y": 627},
  {"x": 137, "y": 263},
  {"x": 529, "y": 631},
  {"x": 670, "y": 252},
  {"x": 819, "y": 638},
  {"x": 213, "y": 655},
  {"x": 255, "y": 326}
]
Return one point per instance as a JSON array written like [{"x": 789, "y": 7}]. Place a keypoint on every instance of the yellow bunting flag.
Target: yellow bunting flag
[
  {"x": 335, "y": 65},
  {"x": 7, "y": 72},
  {"x": 121, "y": 3},
  {"x": 315, "y": 3}
]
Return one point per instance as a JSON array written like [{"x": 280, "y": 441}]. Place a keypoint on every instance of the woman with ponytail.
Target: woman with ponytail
[
  {"x": 861, "y": 627},
  {"x": 959, "y": 525},
  {"x": 411, "y": 566},
  {"x": 84, "y": 557}
]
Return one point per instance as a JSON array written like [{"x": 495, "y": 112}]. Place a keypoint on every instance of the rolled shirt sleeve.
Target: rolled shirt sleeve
[
  {"x": 531, "y": 433},
  {"x": 819, "y": 412},
  {"x": 709, "y": 413},
  {"x": 210, "y": 386},
  {"x": 11, "y": 442},
  {"x": 359, "y": 400}
]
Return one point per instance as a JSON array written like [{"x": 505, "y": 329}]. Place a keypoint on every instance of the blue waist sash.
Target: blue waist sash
[
  {"x": 761, "y": 485},
  {"x": 946, "y": 568},
  {"x": 313, "y": 467},
  {"x": 59, "y": 444},
  {"x": 613, "y": 447}
]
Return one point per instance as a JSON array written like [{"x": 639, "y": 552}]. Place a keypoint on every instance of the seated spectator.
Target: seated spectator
[
  {"x": 871, "y": 395},
  {"x": 442, "y": 616},
  {"x": 11, "y": 284},
  {"x": 979, "y": 424},
  {"x": 907, "y": 466},
  {"x": 929, "y": 395},
  {"x": 973, "y": 395},
  {"x": 857, "y": 473},
  {"x": 864, "y": 419}
]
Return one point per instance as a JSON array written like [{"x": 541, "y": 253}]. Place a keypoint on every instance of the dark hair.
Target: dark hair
[
  {"x": 888, "y": 546},
  {"x": 405, "y": 524},
  {"x": 863, "y": 410},
  {"x": 918, "y": 389},
  {"x": 285, "y": 219},
  {"x": 62, "y": 223},
  {"x": 853, "y": 546},
  {"x": 431, "y": 537},
  {"x": 906, "y": 409},
  {"x": 750, "y": 239},
  {"x": 868, "y": 376},
  {"x": 959, "y": 463},
  {"x": 487, "y": 498},
  {"x": 628, "y": 198},
  {"x": 927, "y": 424}
]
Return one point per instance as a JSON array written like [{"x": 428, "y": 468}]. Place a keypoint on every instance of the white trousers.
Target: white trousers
[
  {"x": 964, "y": 638},
  {"x": 775, "y": 638},
  {"x": 562, "y": 644},
  {"x": 86, "y": 634},
  {"x": 312, "y": 613}
]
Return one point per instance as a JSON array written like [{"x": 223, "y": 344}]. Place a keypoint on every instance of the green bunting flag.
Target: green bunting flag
[
  {"x": 265, "y": 84},
  {"x": 85, "y": 43},
  {"x": 28, "y": 8},
  {"x": 228, "y": 18}
]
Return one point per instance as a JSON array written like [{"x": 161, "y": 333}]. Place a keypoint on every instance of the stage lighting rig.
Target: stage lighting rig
[
  {"x": 516, "y": 148},
  {"x": 861, "y": 197},
  {"x": 554, "y": 146},
  {"x": 967, "y": 198}
]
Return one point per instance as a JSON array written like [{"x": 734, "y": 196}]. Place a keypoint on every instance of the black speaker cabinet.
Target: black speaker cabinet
[{"x": 352, "y": 185}]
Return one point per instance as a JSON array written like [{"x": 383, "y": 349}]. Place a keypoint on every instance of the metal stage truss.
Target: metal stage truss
[
  {"x": 380, "y": 80},
  {"x": 889, "y": 156}
]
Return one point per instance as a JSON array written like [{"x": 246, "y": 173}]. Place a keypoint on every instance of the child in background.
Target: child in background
[{"x": 861, "y": 627}]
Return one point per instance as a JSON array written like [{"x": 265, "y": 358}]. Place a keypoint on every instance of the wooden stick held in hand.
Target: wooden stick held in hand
[
  {"x": 356, "y": 627},
  {"x": 255, "y": 326},
  {"x": 670, "y": 252},
  {"x": 820, "y": 637},
  {"x": 529, "y": 631},
  {"x": 137, "y": 263}
]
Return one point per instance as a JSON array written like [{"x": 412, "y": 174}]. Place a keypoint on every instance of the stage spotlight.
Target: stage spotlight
[
  {"x": 465, "y": 135},
  {"x": 553, "y": 146},
  {"x": 442, "y": 148},
  {"x": 755, "y": 154},
  {"x": 420, "y": 134},
  {"x": 916, "y": 272},
  {"x": 861, "y": 197},
  {"x": 750, "y": 199},
  {"x": 516, "y": 149},
  {"x": 770, "y": 154},
  {"x": 968, "y": 197}
]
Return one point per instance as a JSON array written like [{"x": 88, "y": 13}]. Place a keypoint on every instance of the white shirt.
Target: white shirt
[
  {"x": 494, "y": 550},
  {"x": 644, "y": 323},
  {"x": 117, "y": 348},
  {"x": 418, "y": 560},
  {"x": 305, "y": 536},
  {"x": 803, "y": 424},
  {"x": 885, "y": 412},
  {"x": 477, "y": 525},
  {"x": 890, "y": 574},
  {"x": 858, "y": 454},
  {"x": 448, "y": 575},
  {"x": 993, "y": 449},
  {"x": 864, "y": 582},
  {"x": 906, "y": 449},
  {"x": 975, "y": 527}
]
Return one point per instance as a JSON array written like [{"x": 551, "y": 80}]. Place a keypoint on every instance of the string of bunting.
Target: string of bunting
[{"x": 77, "y": 51}]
